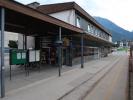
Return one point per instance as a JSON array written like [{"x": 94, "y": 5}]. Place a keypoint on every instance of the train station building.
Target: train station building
[
  {"x": 64, "y": 33},
  {"x": 96, "y": 38}
]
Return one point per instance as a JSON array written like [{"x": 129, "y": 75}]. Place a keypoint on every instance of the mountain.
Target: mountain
[{"x": 118, "y": 33}]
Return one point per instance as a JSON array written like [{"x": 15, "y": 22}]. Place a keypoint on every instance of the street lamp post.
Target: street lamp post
[
  {"x": 82, "y": 50},
  {"x": 59, "y": 43}
]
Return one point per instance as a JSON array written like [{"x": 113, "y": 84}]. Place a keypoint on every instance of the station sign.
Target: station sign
[{"x": 18, "y": 56}]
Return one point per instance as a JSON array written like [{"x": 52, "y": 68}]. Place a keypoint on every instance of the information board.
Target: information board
[
  {"x": 37, "y": 55},
  {"x": 18, "y": 56},
  {"x": 34, "y": 55}
]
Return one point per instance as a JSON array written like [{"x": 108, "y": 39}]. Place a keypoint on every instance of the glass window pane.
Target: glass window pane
[
  {"x": 89, "y": 28},
  {"x": 78, "y": 22}
]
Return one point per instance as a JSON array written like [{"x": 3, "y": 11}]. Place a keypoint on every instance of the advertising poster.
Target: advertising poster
[
  {"x": 24, "y": 55},
  {"x": 18, "y": 55},
  {"x": 32, "y": 56},
  {"x": 37, "y": 55}
]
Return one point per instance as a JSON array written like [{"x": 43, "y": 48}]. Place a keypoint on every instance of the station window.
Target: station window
[
  {"x": 100, "y": 35},
  {"x": 89, "y": 28},
  {"x": 98, "y": 32},
  {"x": 78, "y": 22},
  {"x": 92, "y": 29}
]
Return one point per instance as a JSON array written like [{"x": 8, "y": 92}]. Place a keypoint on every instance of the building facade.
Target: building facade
[
  {"x": 64, "y": 33},
  {"x": 73, "y": 14}
]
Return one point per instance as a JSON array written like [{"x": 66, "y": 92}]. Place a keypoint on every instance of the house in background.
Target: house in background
[{"x": 123, "y": 43}]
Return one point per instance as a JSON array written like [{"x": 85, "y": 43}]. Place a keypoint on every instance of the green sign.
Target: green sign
[{"x": 18, "y": 57}]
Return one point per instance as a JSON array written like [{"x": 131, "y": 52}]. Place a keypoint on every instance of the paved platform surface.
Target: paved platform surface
[
  {"x": 72, "y": 85},
  {"x": 114, "y": 86},
  {"x": 131, "y": 86},
  {"x": 20, "y": 79}
]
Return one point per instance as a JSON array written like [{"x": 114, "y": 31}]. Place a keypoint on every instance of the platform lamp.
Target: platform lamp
[
  {"x": 82, "y": 50},
  {"x": 59, "y": 45}
]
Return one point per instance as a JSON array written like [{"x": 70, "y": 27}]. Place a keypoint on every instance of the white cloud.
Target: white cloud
[{"x": 118, "y": 11}]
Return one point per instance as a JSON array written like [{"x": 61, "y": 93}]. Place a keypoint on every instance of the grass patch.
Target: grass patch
[{"x": 122, "y": 49}]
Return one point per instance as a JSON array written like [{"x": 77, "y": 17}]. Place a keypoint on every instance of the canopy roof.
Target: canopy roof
[{"x": 22, "y": 19}]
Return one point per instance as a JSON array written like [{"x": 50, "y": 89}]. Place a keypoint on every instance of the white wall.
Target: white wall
[
  {"x": 19, "y": 38},
  {"x": 20, "y": 41},
  {"x": 67, "y": 16},
  {"x": 9, "y": 36},
  {"x": 121, "y": 44},
  {"x": 30, "y": 42}
]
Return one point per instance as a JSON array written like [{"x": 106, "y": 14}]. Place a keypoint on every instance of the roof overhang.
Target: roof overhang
[
  {"x": 23, "y": 15},
  {"x": 96, "y": 39},
  {"x": 27, "y": 11}
]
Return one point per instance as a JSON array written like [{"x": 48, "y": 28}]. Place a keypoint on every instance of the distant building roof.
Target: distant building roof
[{"x": 34, "y": 5}]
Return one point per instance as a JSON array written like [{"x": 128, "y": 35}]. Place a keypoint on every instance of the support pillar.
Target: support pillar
[
  {"x": 25, "y": 39},
  {"x": 60, "y": 52},
  {"x": 82, "y": 50},
  {"x": 2, "y": 76},
  {"x": 71, "y": 52},
  {"x": 23, "y": 42}
]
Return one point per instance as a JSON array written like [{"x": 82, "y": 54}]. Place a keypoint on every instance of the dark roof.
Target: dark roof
[
  {"x": 20, "y": 8},
  {"x": 53, "y": 8},
  {"x": 57, "y": 7}
]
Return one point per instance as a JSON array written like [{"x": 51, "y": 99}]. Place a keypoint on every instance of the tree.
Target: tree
[{"x": 13, "y": 44}]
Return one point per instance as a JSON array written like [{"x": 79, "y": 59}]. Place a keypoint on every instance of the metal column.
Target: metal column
[
  {"x": 82, "y": 50},
  {"x": 2, "y": 76},
  {"x": 25, "y": 42},
  {"x": 60, "y": 51},
  {"x": 71, "y": 52}
]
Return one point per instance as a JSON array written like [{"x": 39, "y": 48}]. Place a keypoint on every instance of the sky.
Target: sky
[{"x": 118, "y": 11}]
